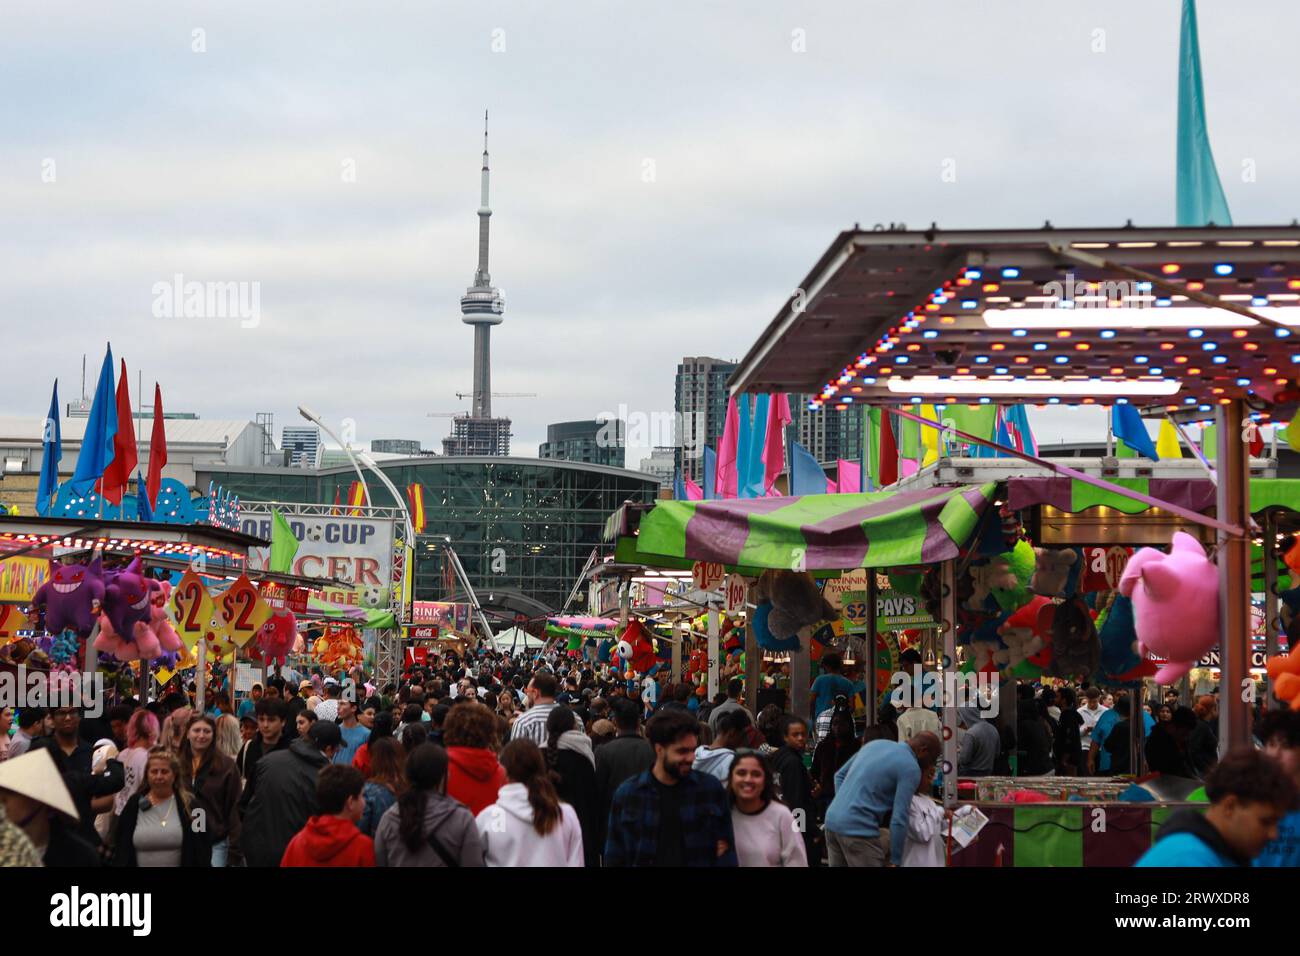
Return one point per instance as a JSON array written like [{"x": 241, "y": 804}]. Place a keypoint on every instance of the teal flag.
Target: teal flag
[{"x": 1200, "y": 196}]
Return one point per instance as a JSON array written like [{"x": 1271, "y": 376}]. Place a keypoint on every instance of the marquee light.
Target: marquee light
[
  {"x": 939, "y": 385},
  {"x": 1180, "y": 318}
]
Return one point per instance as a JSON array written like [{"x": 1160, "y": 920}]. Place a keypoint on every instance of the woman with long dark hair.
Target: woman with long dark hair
[
  {"x": 426, "y": 827},
  {"x": 386, "y": 761},
  {"x": 383, "y": 727},
  {"x": 528, "y": 825},
  {"x": 213, "y": 778},
  {"x": 767, "y": 833},
  {"x": 156, "y": 827},
  {"x": 571, "y": 758}
]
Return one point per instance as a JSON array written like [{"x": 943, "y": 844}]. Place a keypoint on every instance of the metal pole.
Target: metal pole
[
  {"x": 201, "y": 682},
  {"x": 715, "y": 661},
  {"x": 1271, "y": 621},
  {"x": 753, "y": 664},
  {"x": 869, "y": 663},
  {"x": 1234, "y": 576},
  {"x": 312, "y": 417},
  {"x": 948, "y": 606}
]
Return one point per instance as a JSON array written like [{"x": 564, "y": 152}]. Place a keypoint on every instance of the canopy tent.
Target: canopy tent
[
  {"x": 814, "y": 532},
  {"x": 518, "y": 639}
]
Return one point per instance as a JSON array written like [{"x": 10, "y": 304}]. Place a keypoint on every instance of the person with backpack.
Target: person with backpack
[
  {"x": 572, "y": 762},
  {"x": 426, "y": 827}
]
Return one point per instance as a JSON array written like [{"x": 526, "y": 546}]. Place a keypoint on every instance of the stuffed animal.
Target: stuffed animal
[
  {"x": 12, "y": 621},
  {"x": 71, "y": 596},
  {"x": 795, "y": 599},
  {"x": 1020, "y": 561},
  {"x": 275, "y": 638},
  {"x": 763, "y": 631},
  {"x": 996, "y": 573},
  {"x": 1052, "y": 571},
  {"x": 1076, "y": 649},
  {"x": 1175, "y": 603},
  {"x": 985, "y": 645},
  {"x": 1021, "y": 634},
  {"x": 1121, "y": 661},
  {"x": 126, "y": 598},
  {"x": 1284, "y": 672},
  {"x": 636, "y": 649},
  {"x": 160, "y": 593}
]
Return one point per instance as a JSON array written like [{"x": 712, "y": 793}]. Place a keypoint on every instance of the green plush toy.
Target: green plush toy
[{"x": 1021, "y": 560}]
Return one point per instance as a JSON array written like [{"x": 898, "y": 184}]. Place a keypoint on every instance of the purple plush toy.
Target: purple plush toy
[
  {"x": 71, "y": 596},
  {"x": 126, "y": 599}
]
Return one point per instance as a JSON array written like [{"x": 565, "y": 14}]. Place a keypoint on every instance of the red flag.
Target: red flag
[
  {"x": 415, "y": 494},
  {"x": 157, "y": 450},
  {"x": 113, "y": 482},
  {"x": 356, "y": 497},
  {"x": 335, "y": 509},
  {"x": 1256, "y": 442},
  {"x": 888, "y": 451}
]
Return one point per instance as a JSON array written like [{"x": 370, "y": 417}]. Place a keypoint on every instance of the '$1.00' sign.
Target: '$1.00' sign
[{"x": 706, "y": 575}]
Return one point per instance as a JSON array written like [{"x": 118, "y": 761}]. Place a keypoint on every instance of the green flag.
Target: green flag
[
  {"x": 909, "y": 435},
  {"x": 284, "y": 544},
  {"x": 1199, "y": 194}
]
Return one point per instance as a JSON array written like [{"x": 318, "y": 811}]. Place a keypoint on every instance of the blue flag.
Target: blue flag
[
  {"x": 710, "y": 473},
  {"x": 806, "y": 476},
  {"x": 679, "y": 488},
  {"x": 97, "y": 445},
  {"x": 52, "y": 454},
  {"x": 143, "y": 511},
  {"x": 1132, "y": 431},
  {"x": 1200, "y": 198},
  {"x": 749, "y": 463}
]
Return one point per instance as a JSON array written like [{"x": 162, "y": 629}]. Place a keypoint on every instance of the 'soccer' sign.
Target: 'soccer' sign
[{"x": 356, "y": 551}]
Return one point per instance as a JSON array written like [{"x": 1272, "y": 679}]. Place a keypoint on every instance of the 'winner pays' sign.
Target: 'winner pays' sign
[{"x": 355, "y": 550}]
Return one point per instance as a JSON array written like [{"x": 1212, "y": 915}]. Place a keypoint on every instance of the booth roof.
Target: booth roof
[
  {"x": 1195, "y": 494},
  {"x": 1040, "y": 315},
  {"x": 813, "y": 532}
]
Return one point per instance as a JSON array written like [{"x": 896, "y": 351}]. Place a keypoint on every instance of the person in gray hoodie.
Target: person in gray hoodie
[
  {"x": 977, "y": 744},
  {"x": 715, "y": 758},
  {"x": 426, "y": 827}
]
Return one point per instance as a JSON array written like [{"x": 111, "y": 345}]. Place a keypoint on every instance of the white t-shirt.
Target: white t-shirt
[
  {"x": 768, "y": 838},
  {"x": 1090, "y": 718},
  {"x": 917, "y": 720}
]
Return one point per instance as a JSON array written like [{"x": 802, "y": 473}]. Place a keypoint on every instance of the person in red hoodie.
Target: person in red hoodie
[
  {"x": 332, "y": 838},
  {"x": 473, "y": 774}
]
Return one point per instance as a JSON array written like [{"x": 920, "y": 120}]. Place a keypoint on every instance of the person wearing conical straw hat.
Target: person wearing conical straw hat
[{"x": 37, "y": 801}]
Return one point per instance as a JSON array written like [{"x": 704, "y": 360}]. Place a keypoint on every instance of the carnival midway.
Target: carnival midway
[{"x": 937, "y": 646}]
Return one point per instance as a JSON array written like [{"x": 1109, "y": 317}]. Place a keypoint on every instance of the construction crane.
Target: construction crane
[{"x": 464, "y": 395}]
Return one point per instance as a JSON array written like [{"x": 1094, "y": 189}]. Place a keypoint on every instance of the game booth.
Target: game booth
[{"x": 1126, "y": 572}]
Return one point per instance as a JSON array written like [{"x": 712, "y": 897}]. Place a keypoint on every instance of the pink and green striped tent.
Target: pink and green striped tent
[{"x": 815, "y": 532}]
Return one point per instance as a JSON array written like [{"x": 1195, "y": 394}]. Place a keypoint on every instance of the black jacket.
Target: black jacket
[
  {"x": 624, "y": 757},
  {"x": 1165, "y": 756},
  {"x": 1203, "y": 748},
  {"x": 1068, "y": 742},
  {"x": 253, "y": 753},
  {"x": 285, "y": 798},
  {"x": 216, "y": 788},
  {"x": 196, "y": 848},
  {"x": 68, "y": 848},
  {"x": 1034, "y": 746},
  {"x": 577, "y": 787},
  {"x": 82, "y": 785}
]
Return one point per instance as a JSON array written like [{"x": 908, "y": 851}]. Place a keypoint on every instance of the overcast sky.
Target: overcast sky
[{"x": 663, "y": 176}]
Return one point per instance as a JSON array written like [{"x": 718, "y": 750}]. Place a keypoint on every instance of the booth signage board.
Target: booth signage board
[
  {"x": 21, "y": 576},
  {"x": 246, "y": 675},
  {"x": 422, "y": 632},
  {"x": 444, "y": 614},
  {"x": 833, "y": 588},
  {"x": 895, "y": 611},
  {"x": 358, "y": 551}
]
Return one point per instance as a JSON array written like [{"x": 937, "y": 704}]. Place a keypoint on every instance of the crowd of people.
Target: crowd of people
[{"x": 498, "y": 761}]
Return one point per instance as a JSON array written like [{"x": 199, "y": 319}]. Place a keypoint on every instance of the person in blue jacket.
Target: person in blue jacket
[
  {"x": 1279, "y": 732},
  {"x": 866, "y": 823},
  {"x": 1249, "y": 793}
]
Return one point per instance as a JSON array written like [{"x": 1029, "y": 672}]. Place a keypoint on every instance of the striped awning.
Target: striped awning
[{"x": 815, "y": 532}]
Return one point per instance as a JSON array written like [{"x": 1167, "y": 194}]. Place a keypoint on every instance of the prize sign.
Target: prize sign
[
  {"x": 243, "y": 611},
  {"x": 707, "y": 575},
  {"x": 737, "y": 589},
  {"x": 194, "y": 611},
  {"x": 855, "y": 611}
]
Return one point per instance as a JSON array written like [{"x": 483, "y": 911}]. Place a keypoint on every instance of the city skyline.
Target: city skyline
[{"x": 642, "y": 221}]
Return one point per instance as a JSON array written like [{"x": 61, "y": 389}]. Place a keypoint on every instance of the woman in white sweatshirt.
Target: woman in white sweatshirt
[
  {"x": 528, "y": 825},
  {"x": 767, "y": 833}
]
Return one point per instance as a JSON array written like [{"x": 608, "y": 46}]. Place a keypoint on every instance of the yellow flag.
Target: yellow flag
[
  {"x": 929, "y": 436},
  {"x": 1167, "y": 443}
]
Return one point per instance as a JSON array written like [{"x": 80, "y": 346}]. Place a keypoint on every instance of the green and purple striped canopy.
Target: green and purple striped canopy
[{"x": 816, "y": 532}]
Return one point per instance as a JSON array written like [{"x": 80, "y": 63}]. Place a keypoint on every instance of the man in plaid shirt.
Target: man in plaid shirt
[{"x": 671, "y": 815}]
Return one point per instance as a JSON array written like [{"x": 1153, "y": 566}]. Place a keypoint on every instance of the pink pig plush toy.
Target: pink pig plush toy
[{"x": 1175, "y": 604}]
